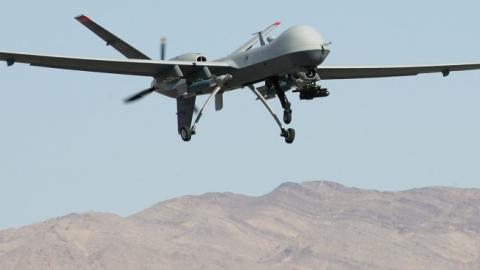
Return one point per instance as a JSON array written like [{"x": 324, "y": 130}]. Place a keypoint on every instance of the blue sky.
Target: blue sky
[{"x": 69, "y": 144}]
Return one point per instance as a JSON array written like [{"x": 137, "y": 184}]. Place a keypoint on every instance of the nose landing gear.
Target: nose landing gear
[
  {"x": 286, "y": 105},
  {"x": 289, "y": 135},
  {"x": 287, "y": 116}
]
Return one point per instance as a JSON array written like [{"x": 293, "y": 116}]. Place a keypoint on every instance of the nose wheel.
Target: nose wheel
[{"x": 289, "y": 135}]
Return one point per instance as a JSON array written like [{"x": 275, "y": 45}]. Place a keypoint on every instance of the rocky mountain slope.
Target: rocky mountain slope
[{"x": 314, "y": 225}]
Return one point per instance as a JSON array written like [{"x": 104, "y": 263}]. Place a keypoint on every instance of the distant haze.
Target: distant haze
[{"x": 314, "y": 225}]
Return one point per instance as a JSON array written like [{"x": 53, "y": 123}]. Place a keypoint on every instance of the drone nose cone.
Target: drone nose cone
[{"x": 302, "y": 36}]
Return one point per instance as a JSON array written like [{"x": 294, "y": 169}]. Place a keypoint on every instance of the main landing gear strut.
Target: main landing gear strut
[
  {"x": 288, "y": 134},
  {"x": 184, "y": 122},
  {"x": 187, "y": 132}
]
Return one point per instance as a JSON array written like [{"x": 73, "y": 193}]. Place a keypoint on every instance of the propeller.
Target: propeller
[
  {"x": 146, "y": 92},
  {"x": 139, "y": 95}
]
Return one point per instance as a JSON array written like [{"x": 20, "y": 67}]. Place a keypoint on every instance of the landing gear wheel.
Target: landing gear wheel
[
  {"x": 287, "y": 116},
  {"x": 289, "y": 135},
  {"x": 186, "y": 134}
]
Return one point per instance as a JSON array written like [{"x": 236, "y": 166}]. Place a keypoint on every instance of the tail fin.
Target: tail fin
[{"x": 112, "y": 40}]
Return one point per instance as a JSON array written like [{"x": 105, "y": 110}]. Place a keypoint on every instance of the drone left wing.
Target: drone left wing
[
  {"x": 361, "y": 72},
  {"x": 121, "y": 46},
  {"x": 126, "y": 67}
]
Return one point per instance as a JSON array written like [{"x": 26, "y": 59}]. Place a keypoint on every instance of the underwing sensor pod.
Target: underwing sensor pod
[
  {"x": 311, "y": 91},
  {"x": 306, "y": 85},
  {"x": 269, "y": 67}
]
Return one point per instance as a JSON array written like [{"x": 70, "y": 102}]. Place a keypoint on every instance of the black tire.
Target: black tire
[
  {"x": 186, "y": 134},
  {"x": 290, "y": 136},
  {"x": 287, "y": 116}
]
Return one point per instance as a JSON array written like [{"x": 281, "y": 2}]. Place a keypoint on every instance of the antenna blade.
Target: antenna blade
[{"x": 163, "y": 48}]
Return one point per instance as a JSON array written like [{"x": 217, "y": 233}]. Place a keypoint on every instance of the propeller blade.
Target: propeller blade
[
  {"x": 163, "y": 48},
  {"x": 140, "y": 95}
]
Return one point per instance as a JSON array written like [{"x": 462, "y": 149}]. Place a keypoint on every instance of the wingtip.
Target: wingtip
[
  {"x": 82, "y": 18},
  {"x": 277, "y": 23}
]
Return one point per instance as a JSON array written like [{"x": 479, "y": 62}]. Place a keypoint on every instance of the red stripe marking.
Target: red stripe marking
[{"x": 83, "y": 19}]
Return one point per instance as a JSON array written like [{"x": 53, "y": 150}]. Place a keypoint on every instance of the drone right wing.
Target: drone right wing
[{"x": 362, "y": 72}]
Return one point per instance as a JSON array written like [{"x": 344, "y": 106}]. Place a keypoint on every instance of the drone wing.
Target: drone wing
[
  {"x": 361, "y": 72},
  {"x": 148, "y": 68},
  {"x": 121, "y": 46}
]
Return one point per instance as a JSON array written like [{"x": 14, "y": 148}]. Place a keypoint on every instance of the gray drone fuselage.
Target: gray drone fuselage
[{"x": 296, "y": 50}]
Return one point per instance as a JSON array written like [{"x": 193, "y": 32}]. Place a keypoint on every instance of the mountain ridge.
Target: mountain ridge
[{"x": 312, "y": 225}]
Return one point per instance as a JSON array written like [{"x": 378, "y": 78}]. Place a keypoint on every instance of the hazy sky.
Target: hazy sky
[{"x": 69, "y": 144}]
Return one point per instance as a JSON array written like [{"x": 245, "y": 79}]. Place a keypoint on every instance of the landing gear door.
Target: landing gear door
[
  {"x": 185, "y": 109},
  {"x": 219, "y": 101}
]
